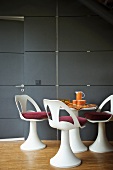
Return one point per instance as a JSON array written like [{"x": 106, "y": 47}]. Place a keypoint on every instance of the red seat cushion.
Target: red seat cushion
[
  {"x": 35, "y": 115},
  {"x": 81, "y": 120},
  {"x": 97, "y": 115}
]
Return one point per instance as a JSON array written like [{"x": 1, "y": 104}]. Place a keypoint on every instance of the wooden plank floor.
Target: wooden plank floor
[{"x": 12, "y": 158}]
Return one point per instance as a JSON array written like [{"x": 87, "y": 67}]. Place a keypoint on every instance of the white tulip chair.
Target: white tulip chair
[
  {"x": 101, "y": 144},
  {"x": 64, "y": 158},
  {"x": 32, "y": 142}
]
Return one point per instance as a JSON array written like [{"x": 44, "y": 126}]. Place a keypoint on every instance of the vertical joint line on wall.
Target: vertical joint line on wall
[
  {"x": 57, "y": 49},
  {"x": 57, "y": 53}
]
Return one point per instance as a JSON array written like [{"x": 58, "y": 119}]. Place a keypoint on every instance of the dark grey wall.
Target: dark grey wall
[
  {"x": 11, "y": 74},
  {"x": 63, "y": 44}
]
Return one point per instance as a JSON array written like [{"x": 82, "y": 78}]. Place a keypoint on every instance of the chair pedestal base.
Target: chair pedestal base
[
  {"x": 101, "y": 144},
  {"x": 65, "y": 158},
  {"x": 32, "y": 142}
]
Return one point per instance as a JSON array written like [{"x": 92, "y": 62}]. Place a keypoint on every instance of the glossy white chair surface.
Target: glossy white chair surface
[
  {"x": 64, "y": 158},
  {"x": 32, "y": 142},
  {"x": 101, "y": 144}
]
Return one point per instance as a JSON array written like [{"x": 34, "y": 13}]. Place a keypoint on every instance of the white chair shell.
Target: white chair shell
[
  {"x": 64, "y": 158},
  {"x": 32, "y": 142},
  {"x": 101, "y": 144}
]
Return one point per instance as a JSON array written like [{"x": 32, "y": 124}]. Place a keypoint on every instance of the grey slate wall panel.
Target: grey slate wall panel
[
  {"x": 11, "y": 68},
  {"x": 8, "y": 107},
  {"x": 83, "y": 68},
  {"x": 11, "y": 36},
  {"x": 89, "y": 133},
  {"x": 45, "y": 132},
  {"x": 93, "y": 94},
  {"x": 85, "y": 33},
  {"x": 40, "y": 66},
  {"x": 28, "y": 8},
  {"x": 72, "y": 8},
  {"x": 109, "y": 126},
  {"x": 40, "y": 34},
  {"x": 14, "y": 128},
  {"x": 38, "y": 93}
]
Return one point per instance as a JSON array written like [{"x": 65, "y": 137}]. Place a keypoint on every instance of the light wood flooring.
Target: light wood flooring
[{"x": 12, "y": 158}]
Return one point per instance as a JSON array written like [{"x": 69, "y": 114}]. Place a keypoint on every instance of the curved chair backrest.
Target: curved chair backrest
[
  {"x": 55, "y": 106},
  {"x": 22, "y": 100},
  {"x": 110, "y": 98}
]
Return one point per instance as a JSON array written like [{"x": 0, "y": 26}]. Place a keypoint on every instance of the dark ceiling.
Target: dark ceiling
[
  {"x": 103, "y": 8},
  {"x": 106, "y": 3}
]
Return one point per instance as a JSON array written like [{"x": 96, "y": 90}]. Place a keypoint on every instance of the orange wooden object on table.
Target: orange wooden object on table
[
  {"x": 81, "y": 102},
  {"x": 74, "y": 101}
]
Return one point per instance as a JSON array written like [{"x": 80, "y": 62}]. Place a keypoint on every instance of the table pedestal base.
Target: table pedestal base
[{"x": 75, "y": 141}]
